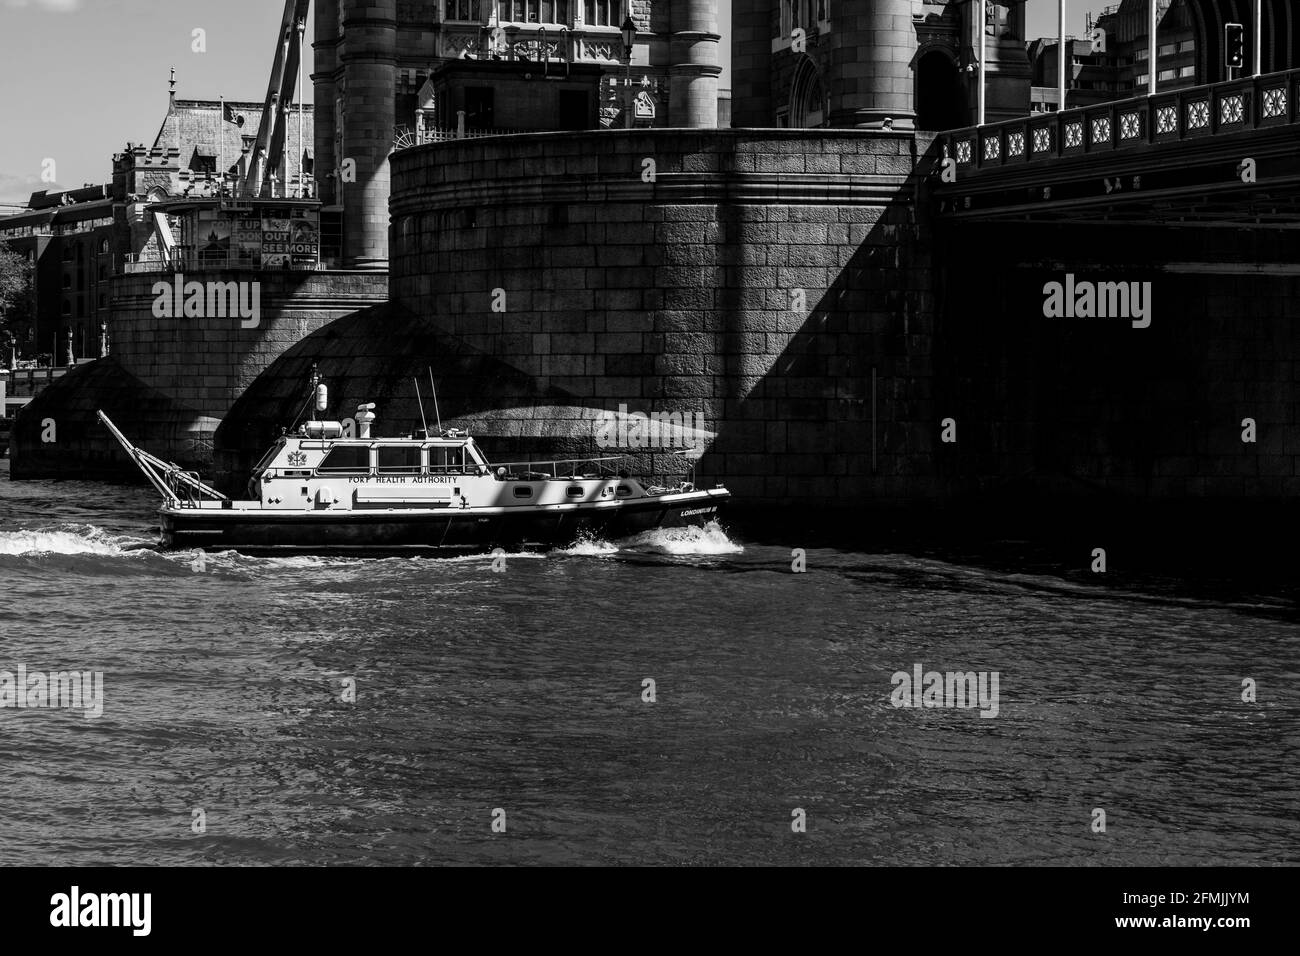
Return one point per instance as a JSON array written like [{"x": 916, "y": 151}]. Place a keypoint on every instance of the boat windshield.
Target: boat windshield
[{"x": 267, "y": 458}]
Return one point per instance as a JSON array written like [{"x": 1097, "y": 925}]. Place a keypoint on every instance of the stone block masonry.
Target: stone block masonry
[
  {"x": 753, "y": 277},
  {"x": 170, "y": 381}
]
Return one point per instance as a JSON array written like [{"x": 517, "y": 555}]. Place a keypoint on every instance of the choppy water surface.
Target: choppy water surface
[{"x": 523, "y": 690}]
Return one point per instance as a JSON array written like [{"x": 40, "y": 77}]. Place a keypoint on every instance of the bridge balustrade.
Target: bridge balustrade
[{"x": 1178, "y": 115}]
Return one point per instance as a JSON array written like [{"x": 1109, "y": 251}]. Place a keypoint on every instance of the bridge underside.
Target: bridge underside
[{"x": 1116, "y": 295}]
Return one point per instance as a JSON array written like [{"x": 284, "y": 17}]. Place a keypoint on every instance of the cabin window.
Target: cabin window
[
  {"x": 523, "y": 491},
  {"x": 399, "y": 459},
  {"x": 574, "y": 492},
  {"x": 345, "y": 458},
  {"x": 445, "y": 459},
  {"x": 624, "y": 490}
]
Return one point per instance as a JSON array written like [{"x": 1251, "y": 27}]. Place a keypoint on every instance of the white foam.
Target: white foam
[
  {"x": 588, "y": 548},
  {"x": 90, "y": 540},
  {"x": 710, "y": 539},
  {"x": 338, "y": 562}
]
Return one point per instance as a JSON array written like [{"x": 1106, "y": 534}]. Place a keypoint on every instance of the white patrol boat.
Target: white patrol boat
[{"x": 317, "y": 491}]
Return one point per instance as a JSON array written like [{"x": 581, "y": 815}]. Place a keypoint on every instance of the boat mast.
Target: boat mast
[
  {"x": 435, "y": 400},
  {"x": 420, "y": 400}
]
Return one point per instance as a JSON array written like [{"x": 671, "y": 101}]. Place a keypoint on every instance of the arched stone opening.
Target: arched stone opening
[
  {"x": 938, "y": 94},
  {"x": 807, "y": 97}
]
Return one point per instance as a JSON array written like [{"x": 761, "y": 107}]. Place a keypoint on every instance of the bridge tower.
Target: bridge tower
[
  {"x": 806, "y": 63},
  {"x": 356, "y": 55},
  {"x": 863, "y": 63}
]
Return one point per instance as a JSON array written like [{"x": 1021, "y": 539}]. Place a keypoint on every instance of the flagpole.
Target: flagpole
[
  {"x": 302, "y": 27},
  {"x": 221, "y": 144}
]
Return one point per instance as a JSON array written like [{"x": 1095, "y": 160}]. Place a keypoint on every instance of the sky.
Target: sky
[
  {"x": 1042, "y": 16},
  {"x": 79, "y": 78}
]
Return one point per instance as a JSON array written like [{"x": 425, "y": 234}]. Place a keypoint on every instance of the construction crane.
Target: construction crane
[{"x": 268, "y": 148}]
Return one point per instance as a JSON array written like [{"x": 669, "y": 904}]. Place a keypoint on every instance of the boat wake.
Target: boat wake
[
  {"x": 67, "y": 539},
  {"x": 708, "y": 540},
  {"x": 588, "y": 547},
  {"x": 677, "y": 542},
  {"x": 93, "y": 541}
]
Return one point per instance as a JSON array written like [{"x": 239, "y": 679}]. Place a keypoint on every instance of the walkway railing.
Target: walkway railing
[
  {"x": 607, "y": 466},
  {"x": 405, "y": 137},
  {"x": 1186, "y": 114},
  {"x": 208, "y": 262}
]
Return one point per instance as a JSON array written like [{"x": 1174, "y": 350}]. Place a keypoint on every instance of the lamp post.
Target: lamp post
[
  {"x": 982, "y": 13},
  {"x": 1060, "y": 57},
  {"x": 1153, "y": 48},
  {"x": 629, "y": 38},
  {"x": 1257, "y": 28}
]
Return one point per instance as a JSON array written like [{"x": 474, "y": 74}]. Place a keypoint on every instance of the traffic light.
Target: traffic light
[{"x": 1234, "y": 45}]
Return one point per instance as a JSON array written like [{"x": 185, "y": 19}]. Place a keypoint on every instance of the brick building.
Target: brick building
[
  {"x": 79, "y": 238},
  {"x": 1113, "y": 63},
  {"x": 69, "y": 236},
  {"x": 1090, "y": 77}
]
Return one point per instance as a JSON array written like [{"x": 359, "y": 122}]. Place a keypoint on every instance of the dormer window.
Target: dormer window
[{"x": 204, "y": 160}]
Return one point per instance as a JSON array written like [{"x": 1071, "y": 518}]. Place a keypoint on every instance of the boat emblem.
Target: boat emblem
[{"x": 297, "y": 458}]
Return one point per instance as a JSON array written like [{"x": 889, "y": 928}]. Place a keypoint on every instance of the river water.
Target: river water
[{"x": 519, "y": 698}]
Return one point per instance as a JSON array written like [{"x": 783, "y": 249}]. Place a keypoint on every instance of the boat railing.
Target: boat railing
[
  {"x": 169, "y": 479},
  {"x": 184, "y": 485},
  {"x": 563, "y": 468}
]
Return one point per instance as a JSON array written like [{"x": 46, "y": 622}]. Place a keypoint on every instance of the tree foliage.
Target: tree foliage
[{"x": 15, "y": 288}]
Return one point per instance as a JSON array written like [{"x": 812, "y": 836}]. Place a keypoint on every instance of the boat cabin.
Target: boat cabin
[{"x": 319, "y": 469}]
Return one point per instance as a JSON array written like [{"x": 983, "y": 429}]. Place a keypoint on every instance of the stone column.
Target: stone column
[
  {"x": 751, "y": 65},
  {"x": 367, "y": 51},
  {"x": 694, "y": 70},
  {"x": 324, "y": 64},
  {"x": 872, "y": 64}
]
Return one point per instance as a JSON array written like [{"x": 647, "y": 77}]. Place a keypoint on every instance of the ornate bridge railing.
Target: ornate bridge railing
[
  {"x": 404, "y": 137},
  {"x": 1179, "y": 115}
]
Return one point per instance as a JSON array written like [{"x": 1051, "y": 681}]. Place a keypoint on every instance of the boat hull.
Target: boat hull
[{"x": 262, "y": 530}]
